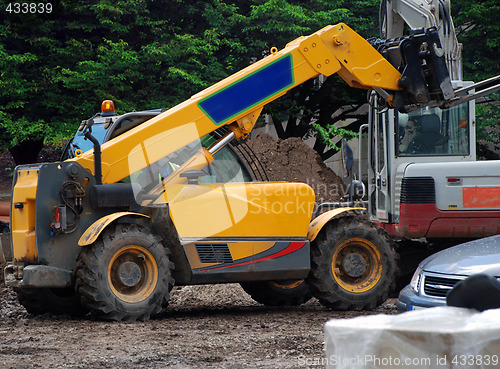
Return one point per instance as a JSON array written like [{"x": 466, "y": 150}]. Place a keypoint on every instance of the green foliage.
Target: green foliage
[
  {"x": 478, "y": 29},
  {"x": 329, "y": 133},
  {"x": 56, "y": 68},
  {"x": 489, "y": 120}
]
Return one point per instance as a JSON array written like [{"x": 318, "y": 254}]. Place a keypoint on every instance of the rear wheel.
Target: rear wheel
[
  {"x": 58, "y": 301},
  {"x": 278, "y": 293},
  {"x": 353, "y": 265},
  {"x": 125, "y": 275}
]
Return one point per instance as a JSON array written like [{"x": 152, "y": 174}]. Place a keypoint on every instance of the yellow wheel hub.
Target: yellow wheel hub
[
  {"x": 357, "y": 265},
  {"x": 132, "y": 274}
]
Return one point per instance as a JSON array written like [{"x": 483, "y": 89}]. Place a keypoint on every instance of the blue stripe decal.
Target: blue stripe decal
[{"x": 249, "y": 91}]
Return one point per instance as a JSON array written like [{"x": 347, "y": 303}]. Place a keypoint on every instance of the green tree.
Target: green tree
[
  {"x": 57, "y": 67},
  {"x": 478, "y": 30}
]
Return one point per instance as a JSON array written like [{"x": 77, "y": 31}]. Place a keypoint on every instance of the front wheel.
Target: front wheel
[
  {"x": 278, "y": 293},
  {"x": 125, "y": 275},
  {"x": 353, "y": 265}
]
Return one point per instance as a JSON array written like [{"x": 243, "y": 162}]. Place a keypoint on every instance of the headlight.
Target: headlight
[{"x": 416, "y": 279}]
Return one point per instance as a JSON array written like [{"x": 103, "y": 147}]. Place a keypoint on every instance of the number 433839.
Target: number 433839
[{"x": 27, "y": 8}]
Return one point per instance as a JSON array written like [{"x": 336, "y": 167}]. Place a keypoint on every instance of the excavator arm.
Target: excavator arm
[
  {"x": 238, "y": 100},
  {"x": 396, "y": 16}
]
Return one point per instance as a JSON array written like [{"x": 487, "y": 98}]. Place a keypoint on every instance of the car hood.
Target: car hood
[{"x": 478, "y": 256}]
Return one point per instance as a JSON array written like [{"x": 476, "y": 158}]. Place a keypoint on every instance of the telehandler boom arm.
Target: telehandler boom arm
[{"x": 238, "y": 100}]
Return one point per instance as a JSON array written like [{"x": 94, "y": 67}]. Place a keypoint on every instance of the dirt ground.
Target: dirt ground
[{"x": 213, "y": 326}]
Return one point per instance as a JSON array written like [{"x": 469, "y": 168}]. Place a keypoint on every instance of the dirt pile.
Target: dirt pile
[{"x": 291, "y": 160}]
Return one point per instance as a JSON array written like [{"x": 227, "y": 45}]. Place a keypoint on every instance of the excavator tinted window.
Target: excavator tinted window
[
  {"x": 78, "y": 142},
  {"x": 128, "y": 124}
]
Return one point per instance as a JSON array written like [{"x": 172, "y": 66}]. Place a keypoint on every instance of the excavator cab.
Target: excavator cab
[
  {"x": 107, "y": 125},
  {"x": 400, "y": 141},
  {"x": 428, "y": 135}
]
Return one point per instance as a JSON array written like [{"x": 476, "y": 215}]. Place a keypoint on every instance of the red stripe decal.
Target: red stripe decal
[{"x": 294, "y": 246}]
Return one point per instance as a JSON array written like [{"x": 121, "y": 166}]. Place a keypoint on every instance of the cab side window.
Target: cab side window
[{"x": 227, "y": 166}]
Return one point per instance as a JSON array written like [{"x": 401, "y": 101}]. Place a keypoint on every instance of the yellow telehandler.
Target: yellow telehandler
[{"x": 149, "y": 200}]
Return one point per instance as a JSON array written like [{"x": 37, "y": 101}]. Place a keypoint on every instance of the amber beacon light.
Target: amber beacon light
[{"x": 108, "y": 107}]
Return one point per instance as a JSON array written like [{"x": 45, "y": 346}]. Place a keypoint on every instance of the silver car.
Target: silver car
[{"x": 437, "y": 274}]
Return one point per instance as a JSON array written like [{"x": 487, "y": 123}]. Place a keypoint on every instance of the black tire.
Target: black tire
[
  {"x": 57, "y": 301},
  {"x": 125, "y": 275},
  {"x": 278, "y": 293},
  {"x": 353, "y": 265}
]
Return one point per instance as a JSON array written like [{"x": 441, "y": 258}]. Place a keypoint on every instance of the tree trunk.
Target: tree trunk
[{"x": 27, "y": 151}]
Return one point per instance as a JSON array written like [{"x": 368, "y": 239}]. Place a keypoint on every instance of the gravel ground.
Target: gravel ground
[{"x": 215, "y": 326}]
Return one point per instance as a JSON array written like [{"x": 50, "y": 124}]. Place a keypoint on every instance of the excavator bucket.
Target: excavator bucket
[{"x": 425, "y": 78}]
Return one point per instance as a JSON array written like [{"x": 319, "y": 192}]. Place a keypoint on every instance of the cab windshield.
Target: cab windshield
[
  {"x": 433, "y": 131},
  {"x": 79, "y": 142}
]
